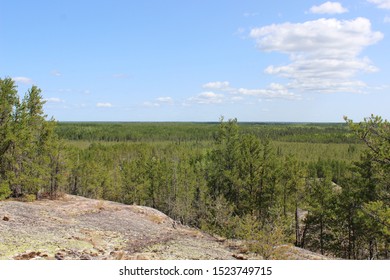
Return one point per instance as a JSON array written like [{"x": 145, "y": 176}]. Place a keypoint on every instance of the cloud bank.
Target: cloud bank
[
  {"x": 382, "y": 4},
  {"x": 328, "y": 8},
  {"x": 273, "y": 91},
  {"x": 324, "y": 53},
  {"x": 207, "y": 97},
  {"x": 23, "y": 80}
]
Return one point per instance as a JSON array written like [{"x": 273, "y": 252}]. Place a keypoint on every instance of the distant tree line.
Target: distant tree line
[
  {"x": 236, "y": 185},
  {"x": 182, "y": 132}
]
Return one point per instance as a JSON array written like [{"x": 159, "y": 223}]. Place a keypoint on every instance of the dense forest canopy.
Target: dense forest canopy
[
  {"x": 324, "y": 187},
  {"x": 185, "y": 131}
]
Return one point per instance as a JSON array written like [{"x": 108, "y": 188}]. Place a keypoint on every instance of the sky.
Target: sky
[{"x": 198, "y": 60}]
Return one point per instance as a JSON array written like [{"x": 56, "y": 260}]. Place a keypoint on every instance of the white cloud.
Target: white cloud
[
  {"x": 23, "y": 80},
  {"x": 151, "y": 104},
  {"x": 165, "y": 99},
  {"x": 54, "y": 100},
  {"x": 274, "y": 90},
  {"x": 320, "y": 38},
  {"x": 386, "y": 19},
  {"x": 324, "y": 53},
  {"x": 328, "y": 8},
  {"x": 216, "y": 85},
  {"x": 383, "y": 4},
  {"x": 208, "y": 97},
  {"x": 104, "y": 105}
]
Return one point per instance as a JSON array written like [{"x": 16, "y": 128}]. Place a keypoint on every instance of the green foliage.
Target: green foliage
[
  {"x": 5, "y": 191},
  {"x": 380, "y": 214},
  {"x": 309, "y": 184},
  {"x": 262, "y": 238},
  {"x": 8, "y": 102},
  {"x": 322, "y": 199},
  {"x": 375, "y": 133},
  {"x": 179, "y": 132},
  {"x": 220, "y": 218},
  {"x": 373, "y": 181},
  {"x": 28, "y": 198},
  {"x": 224, "y": 162},
  {"x": 241, "y": 169},
  {"x": 240, "y": 182},
  {"x": 26, "y": 141}
]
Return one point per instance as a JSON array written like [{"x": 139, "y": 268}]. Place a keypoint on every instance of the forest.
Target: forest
[{"x": 323, "y": 187}]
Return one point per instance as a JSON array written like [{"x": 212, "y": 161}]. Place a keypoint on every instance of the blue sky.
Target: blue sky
[{"x": 197, "y": 60}]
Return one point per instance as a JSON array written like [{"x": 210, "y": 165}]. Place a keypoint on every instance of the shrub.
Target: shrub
[
  {"x": 28, "y": 198},
  {"x": 5, "y": 191}
]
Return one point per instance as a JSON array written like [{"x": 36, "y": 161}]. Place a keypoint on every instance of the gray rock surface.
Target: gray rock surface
[{"x": 78, "y": 228}]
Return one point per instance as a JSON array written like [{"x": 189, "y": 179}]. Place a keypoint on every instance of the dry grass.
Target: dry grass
[
  {"x": 100, "y": 205},
  {"x": 157, "y": 219},
  {"x": 28, "y": 198}
]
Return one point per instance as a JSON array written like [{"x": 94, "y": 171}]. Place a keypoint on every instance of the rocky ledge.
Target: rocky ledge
[{"x": 74, "y": 227}]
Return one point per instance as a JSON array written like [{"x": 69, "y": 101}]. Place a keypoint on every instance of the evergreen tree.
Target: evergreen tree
[
  {"x": 26, "y": 142},
  {"x": 319, "y": 221},
  {"x": 293, "y": 181},
  {"x": 223, "y": 171},
  {"x": 373, "y": 179},
  {"x": 8, "y": 103}
]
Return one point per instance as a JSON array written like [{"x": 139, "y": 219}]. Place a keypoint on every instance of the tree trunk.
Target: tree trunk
[
  {"x": 297, "y": 230},
  {"x": 321, "y": 235}
]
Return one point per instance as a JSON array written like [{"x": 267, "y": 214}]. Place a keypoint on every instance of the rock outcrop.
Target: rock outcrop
[{"x": 85, "y": 229}]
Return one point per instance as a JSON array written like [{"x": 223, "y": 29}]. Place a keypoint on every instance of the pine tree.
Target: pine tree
[
  {"x": 223, "y": 173},
  {"x": 322, "y": 206},
  {"x": 373, "y": 181},
  {"x": 26, "y": 142},
  {"x": 293, "y": 181}
]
